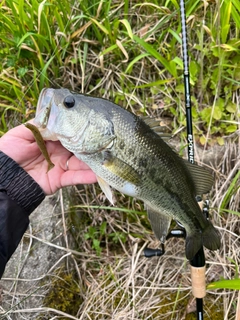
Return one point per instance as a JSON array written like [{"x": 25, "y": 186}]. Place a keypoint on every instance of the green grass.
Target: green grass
[{"x": 78, "y": 44}]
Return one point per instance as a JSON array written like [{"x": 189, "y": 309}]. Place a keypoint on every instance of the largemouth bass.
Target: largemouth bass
[{"x": 128, "y": 155}]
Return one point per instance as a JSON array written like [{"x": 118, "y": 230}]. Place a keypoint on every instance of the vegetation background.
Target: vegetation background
[{"x": 130, "y": 52}]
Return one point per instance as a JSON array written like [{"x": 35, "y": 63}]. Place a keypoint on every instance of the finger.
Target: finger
[
  {"x": 20, "y": 133},
  {"x": 71, "y": 177},
  {"x": 73, "y": 163},
  {"x": 23, "y": 132}
]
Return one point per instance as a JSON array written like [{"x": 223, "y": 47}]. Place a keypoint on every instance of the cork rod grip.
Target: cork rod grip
[{"x": 198, "y": 281}]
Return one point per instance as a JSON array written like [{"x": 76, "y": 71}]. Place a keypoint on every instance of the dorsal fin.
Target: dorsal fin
[
  {"x": 158, "y": 126},
  {"x": 202, "y": 178}
]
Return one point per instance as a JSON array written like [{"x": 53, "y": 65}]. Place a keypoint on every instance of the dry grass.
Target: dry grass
[
  {"x": 55, "y": 262},
  {"x": 121, "y": 283}
]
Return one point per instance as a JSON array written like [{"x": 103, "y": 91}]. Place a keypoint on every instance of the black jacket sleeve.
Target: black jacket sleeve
[{"x": 19, "y": 196}]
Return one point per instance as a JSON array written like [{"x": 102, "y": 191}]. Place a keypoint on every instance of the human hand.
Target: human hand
[{"x": 20, "y": 145}]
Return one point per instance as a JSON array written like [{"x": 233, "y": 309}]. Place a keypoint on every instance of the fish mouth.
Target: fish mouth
[
  {"x": 44, "y": 99},
  {"x": 44, "y": 108},
  {"x": 46, "y": 113}
]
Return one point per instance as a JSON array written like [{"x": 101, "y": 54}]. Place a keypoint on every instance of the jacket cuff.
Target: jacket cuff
[{"x": 19, "y": 185}]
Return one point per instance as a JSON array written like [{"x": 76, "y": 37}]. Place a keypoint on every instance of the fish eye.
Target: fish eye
[{"x": 69, "y": 102}]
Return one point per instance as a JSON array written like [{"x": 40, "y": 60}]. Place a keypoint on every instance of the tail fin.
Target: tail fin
[
  {"x": 193, "y": 244},
  {"x": 209, "y": 238}
]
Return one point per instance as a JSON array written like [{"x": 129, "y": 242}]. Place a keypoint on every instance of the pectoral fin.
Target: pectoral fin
[
  {"x": 106, "y": 189},
  {"x": 160, "y": 223},
  {"x": 121, "y": 168}
]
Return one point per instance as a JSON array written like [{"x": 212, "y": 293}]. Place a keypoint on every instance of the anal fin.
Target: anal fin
[{"x": 160, "y": 223}]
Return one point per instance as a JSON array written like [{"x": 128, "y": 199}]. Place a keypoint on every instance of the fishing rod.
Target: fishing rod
[{"x": 198, "y": 267}]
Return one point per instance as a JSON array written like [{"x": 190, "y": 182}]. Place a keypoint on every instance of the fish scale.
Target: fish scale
[{"x": 126, "y": 154}]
